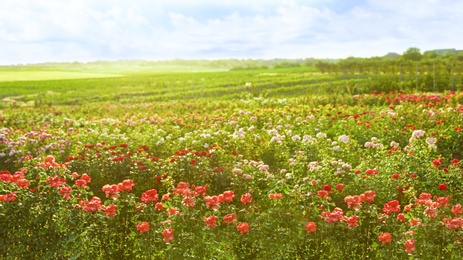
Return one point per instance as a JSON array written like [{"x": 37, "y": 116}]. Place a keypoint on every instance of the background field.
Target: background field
[
  {"x": 49, "y": 75},
  {"x": 76, "y": 84}
]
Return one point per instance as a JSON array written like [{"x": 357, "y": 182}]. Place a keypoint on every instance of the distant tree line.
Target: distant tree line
[
  {"x": 410, "y": 62},
  {"x": 145, "y": 65}
]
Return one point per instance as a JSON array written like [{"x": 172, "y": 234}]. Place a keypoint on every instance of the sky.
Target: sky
[{"x": 88, "y": 30}]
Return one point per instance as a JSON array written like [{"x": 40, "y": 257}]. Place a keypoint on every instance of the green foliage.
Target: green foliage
[
  {"x": 300, "y": 153},
  {"x": 412, "y": 53},
  {"x": 288, "y": 78}
]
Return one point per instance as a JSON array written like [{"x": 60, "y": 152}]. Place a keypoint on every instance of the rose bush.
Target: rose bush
[{"x": 256, "y": 178}]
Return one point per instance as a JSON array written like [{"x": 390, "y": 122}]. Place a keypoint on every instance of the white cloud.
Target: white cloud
[{"x": 42, "y": 30}]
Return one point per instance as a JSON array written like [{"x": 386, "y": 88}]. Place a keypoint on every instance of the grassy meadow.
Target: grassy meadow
[{"x": 20, "y": 76}]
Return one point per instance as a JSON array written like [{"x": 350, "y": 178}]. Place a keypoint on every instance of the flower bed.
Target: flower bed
[{"x": 370, "y": 176}]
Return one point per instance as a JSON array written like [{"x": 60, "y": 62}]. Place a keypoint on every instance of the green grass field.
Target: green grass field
[
  {"x": 54, "y": 85},
  {"x": 50, "y": 75}
]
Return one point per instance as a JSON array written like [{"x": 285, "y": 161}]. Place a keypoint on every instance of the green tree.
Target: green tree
[
  {"x": 323, "y": 66},
  {"x": 413, "y": 54},
  {"x": 430, "y": 54}
]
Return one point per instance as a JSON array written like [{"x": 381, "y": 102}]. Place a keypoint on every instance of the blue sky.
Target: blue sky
[{"x": 88, "y": 30}]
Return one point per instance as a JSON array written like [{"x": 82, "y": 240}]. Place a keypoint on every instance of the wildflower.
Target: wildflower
[
  {"x": 276, "y": 196},
  {"x": 323, "y": 194},
  {"x": 81, "y": 183},
  {"x": 49, "y": 159},
  {"x": 457, "y": 209},
  {"x": 431, "y": 212},
  {"x": 401, "y": 217},
  {"x": 92, "y": 205},
  {"x": 416, "y": 134},
  {"x": 5, "y": 176},
  {"x": 246, "y": 198},
  {"x": 86, "y": 177},
  {"x": 150, "y": 195},
  {"x": 18, "y": 176},
  {"x": 333, "y": 217},
  {"x": 370, "y": 195},
  {"x": 126, "y": 185},
  {"x": 230, "y": 219},
  {"x": 212, "y": 202},
  {"x": 168, "y": 235},
  {"x": 442, "y": 186},
  {"x": 183, "y": 188},
  {"x": 340, "y": 187},
  {"x": 117, "y": 158},
  {"x": 228, "y": 196},
  {"x": 369, "y": 144},
  {"x": 410, "y": 246},
  {"x": 243, "y": 227},
  {"x": 351, "y": 221},
  {"x": 111, "y": 191},
  {"x": 347, "y": 166},
  {"x": 22, "y": 183},
  {"x": 310, "y": 227},
  {"x": 371, "y": 172},
  {"x": 415, "y": 222},
  {"x": 436, "y": 162},
  {"x": 48, "y": 162},
  {"x": 353, "y": 201},
  {"x": 65, "y": 191},
  {"x": 237, "y": 171},
  {"x": 143, "y": 227},
  {"x": 327, "y": 188},
  {"x": 193, "y": 162},
  {"x": 424, "y": 198},
  {"x": 200, "y": 190},
  {"x": 110, "y": 210},
  {"x": 453, "y": 224},
  {"x": 385, "y": 238},
  {"x": 10, "y": 197},
  {"x": 391, "y": 206},
  {"x": 343, "y": 139},
  {"x": 247, "y": 176},
  {"x": 431, "y": 142},
  {"x": 189, "y": 201},
  {"x": 159, "y": 206},
  {"x": 211, "y": 221},
  {"x": 172, "y": 211},
  {"x": 55, "y": 182}
]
